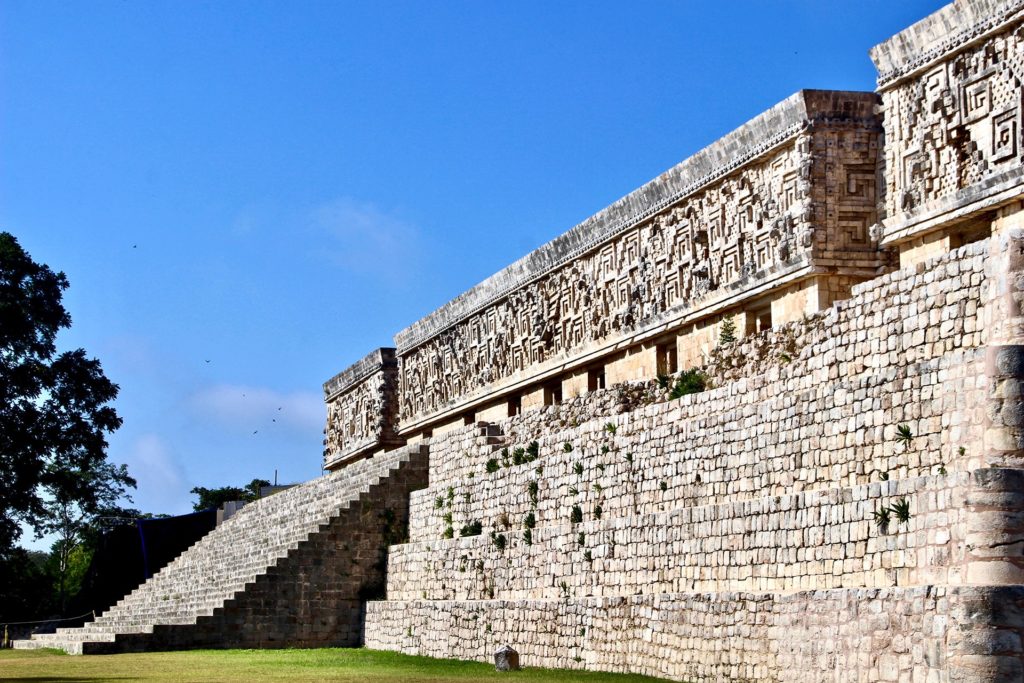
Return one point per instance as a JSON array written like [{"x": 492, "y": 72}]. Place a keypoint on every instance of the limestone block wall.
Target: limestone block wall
[
  {"x": 747, "y": 517},
  {"x": 951, "y": 88},
  {"x": 903, "y": 351},
  {"x": 362, "y": 406},
  {"x": 887, "y": 634},
  {"x": 791, "y": 192},
  {"x": 817, "y": 540}
]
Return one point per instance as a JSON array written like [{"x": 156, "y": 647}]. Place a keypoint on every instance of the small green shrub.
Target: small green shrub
[
  {"x": 567, "y": 447},
  {"x": 664, "y": 486},
  {"x": 474, "y": 528},
  {"x": 438, "y": 502},
  {"x": 904, "y": 436},
  {"x": 588, "y": 556},
  {"x": 727, "y": 333},
  {"x": 578, "y": 469},
  {"x": 533, "y": 488},
  {"x": 598, "y": 510},
  {"x": 576, "y": 514},
  {"x": 533, "y": 450},
  {"x": 573, "y": 491},
  {"x": 449, "y": 532},
  {"x": 492, "y": 466},
  {"x": 610, "y": 428},
  {"x": 691, "y": 381},
  {"x": 581, "y": 539},
  {"x": 447, "y": 517},
  {"x": 901, "y": 508},
  {"x": 528, "y": 537},
  {"x": 882, "y": 519},
  {"x": 530, "y": 520}
]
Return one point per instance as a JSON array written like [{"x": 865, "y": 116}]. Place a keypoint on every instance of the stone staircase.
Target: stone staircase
[{"x": 293, "y": 569}]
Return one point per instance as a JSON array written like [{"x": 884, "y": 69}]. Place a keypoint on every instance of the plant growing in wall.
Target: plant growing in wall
[
  {"x": 576, "y": 514},
  {"x": 610, "y": 426},
  {"x": 588, "y": 556},
  {"x": 499, "y": 541},
  {"x": 474, "y": 528},
  {"x": 533, "y": 489},
  {"x": 439, "y": 502},
  {"x": 882, "y": 519},
  {"x": 598, "y": 510},
  {"x": 528, "y": 537},
  {"x": 567, "y": 447},
  {"x": 663, "y": 486},
  {"x": 691, "y": 381},
  {"x": 904, "y": 436},
  {"x": 493, "y": 466},
  {"x": 449, "y": 532},
  {"x": 530, "y": 521},
  {"x": 901, "y": 509},
  {"x": 578, "y": 469},
  {"x": 727, "y": 332},
  {"x": 581, "y": 539},
  {"x": 533, "y": 450}
]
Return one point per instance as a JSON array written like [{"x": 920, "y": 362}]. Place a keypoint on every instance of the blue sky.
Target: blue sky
[{"x": 247, "y": 197}]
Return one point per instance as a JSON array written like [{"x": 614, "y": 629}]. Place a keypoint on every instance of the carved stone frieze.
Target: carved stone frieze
[
  {"x": 953, "y": 122},
  {"x": 812, "y": 195},
  {"x": 361, "y": 408}
]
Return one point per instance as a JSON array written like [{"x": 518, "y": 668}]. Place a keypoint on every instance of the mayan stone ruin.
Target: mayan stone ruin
[{"x": 759, "y": 420}]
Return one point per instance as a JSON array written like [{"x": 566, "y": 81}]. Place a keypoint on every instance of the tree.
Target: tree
[
  {"x": 54, "y": 412},
  {"x": 214, "y": 498}
]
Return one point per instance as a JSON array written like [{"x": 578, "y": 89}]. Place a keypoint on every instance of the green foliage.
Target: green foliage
[
  {"x": 567, "y": 447},
  {"x": 581, "y": 539},
  {"x": 578, "y": 469},
  {"x": 207, "y": 499},
  {"x": 901, "y": 508},
  {"x": 528, "y": 537},
  {"x": 492, "y": 466},
  {"x": 663, "y": 486},
  {"x": 611, "y": 428},
  {"x": 576, "y": 514},
  {"x": 588, "y": 556},
  {"x": 54, "y": 410},
  {"x": 530, "y": 520},
  {"x": 904, "y": 436},
  {"x": 447, "y": 518},
  {"x": 449, "y": 532},
  {"x": 691, "y": 381},
  {"x": 727, "y": 332},
  {"x": 598, "y": 510},
  {"x": 438, "y": 503},
  {"x": 474, "y": 528},
  {"x": 882, "y": 518},
  {"x": 500, "y": 541},
  {"x": 533, "y": 450},
  {"x": 533, "y": 488},
  {"x": 663, "y": 380}
]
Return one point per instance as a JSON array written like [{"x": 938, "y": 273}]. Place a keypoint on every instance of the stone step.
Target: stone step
[{"x": 233, "y": 559}]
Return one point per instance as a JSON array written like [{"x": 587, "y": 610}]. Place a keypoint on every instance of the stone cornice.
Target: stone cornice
[
  {"x": 953, "y": 27},
  {"x": 755, "y": 138},
  {"x": 358, "y": 371}
]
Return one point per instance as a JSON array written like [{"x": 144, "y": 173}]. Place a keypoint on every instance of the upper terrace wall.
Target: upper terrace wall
[
  {"x": 361, "y": 408},
  {"x": 951, "y": 89},
  {"x": 788, "y": 195}
]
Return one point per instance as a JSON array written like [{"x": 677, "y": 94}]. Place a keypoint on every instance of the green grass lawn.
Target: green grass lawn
[{"x": 231, "y": 666}]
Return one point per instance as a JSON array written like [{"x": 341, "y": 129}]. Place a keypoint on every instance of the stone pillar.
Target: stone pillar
[{"x": 1004, "y": 357}]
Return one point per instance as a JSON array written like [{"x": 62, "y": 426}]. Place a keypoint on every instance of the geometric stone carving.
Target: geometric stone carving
[
  {"x": 361, "y": 408},
  {"x": 952, "y": 111},
  {"x": 792, "y": 190}
]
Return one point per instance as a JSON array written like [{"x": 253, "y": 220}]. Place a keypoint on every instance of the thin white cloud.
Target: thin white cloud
[
  {"x": 241, "y": 406},
  {"x": 160, "y": 476},
  {"x": 367, "y": 239}
]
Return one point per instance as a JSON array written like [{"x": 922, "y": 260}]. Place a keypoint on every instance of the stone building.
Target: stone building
[{"x": 844, "y": 501}]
